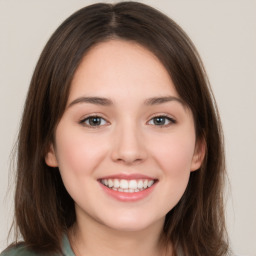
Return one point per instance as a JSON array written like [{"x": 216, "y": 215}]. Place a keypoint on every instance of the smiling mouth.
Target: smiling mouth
[{"x": 128, "y": 186}]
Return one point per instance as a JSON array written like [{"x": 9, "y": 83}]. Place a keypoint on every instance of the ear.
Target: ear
[
  {"x": 50, "y": 157},
  {"x": 199, "y": 155}
]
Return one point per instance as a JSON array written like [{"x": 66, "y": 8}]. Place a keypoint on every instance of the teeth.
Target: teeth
[
  {"x": 109, "y": 183},
  {"x": 116, "y": 183},
  {"x": 150, "y": 183},
  {"x": 140, "y": 184},
  {"x": 123, "y": 184},
  {"x": 128, "y": 186},
  {"x": 132, "y": 184}
]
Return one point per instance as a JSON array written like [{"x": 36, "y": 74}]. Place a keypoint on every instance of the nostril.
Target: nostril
[
  {"x": 128, "y": 148},
  {"x": 129, "y": 160}
]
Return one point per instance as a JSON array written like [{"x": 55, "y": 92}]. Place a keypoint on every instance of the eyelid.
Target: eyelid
[
  {"x": 82, "y": 121},
  {"x": 169, "y": 117}
]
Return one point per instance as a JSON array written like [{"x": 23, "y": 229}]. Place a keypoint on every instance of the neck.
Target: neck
[{"x": 94, "y": 239}]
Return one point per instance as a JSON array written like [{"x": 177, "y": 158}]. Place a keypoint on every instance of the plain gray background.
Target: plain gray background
[{"x": 224, "y": 32}]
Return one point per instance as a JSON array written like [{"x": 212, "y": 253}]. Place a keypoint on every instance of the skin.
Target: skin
[{"x": 126, "y": 141}]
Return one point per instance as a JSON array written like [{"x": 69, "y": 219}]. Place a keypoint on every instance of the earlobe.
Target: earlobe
[
  {"x": 199, "y": 155},
  {"x": 50, "y": 157}
]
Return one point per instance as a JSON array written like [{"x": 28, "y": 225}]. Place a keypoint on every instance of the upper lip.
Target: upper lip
[{"x": 134, "y": 176}]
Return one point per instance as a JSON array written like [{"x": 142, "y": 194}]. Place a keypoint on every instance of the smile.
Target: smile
[{"x": 128, "y": 186}]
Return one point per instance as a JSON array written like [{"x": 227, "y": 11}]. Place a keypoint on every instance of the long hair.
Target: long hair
[{"x": 43, "y": 208}]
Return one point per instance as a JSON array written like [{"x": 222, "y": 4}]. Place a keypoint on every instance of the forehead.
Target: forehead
[{"x": 122, "y": 69}]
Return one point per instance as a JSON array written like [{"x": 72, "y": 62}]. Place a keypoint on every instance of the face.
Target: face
[{"x": 125, "y": 145}]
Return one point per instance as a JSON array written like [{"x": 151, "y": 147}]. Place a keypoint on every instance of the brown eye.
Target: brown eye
[
  {"x": 93, "y": 121},
  {"x": 161, "y": 121}
]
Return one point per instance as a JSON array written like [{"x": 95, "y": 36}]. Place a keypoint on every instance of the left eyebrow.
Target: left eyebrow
[
  {"x": 92, "y": 100},
  {"x": 161, "y": 100}
]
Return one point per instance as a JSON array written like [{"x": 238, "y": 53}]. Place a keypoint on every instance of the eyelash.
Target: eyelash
[
  {"x": 88, "y": 118},
  {"x": 171, "y": 120}
]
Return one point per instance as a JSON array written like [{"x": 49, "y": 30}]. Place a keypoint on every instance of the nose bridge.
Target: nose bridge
[{"x": 128, "y": 145}]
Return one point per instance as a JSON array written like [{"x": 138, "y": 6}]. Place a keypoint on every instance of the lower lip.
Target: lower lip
[{"x": 126, "y": 196}]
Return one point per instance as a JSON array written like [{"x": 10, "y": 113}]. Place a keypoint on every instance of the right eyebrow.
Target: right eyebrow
[
  {"x": 161, "y": 100},
  {"x": 92, "y": 100}
]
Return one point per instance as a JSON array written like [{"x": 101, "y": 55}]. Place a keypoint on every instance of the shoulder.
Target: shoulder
[{"x": 20, "y": 250}]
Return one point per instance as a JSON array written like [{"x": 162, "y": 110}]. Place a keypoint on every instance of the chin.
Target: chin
[{"x": 128, "y": 223}]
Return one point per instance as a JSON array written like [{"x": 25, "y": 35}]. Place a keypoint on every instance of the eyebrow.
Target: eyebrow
[
  {"x": 92, "y": 100},
  {"x": 161, "y": 100},
  {"x": 107, "y": 102}
]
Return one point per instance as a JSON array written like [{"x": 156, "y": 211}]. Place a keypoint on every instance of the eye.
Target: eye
[
  {"x": 93, "y": 121},
  {"x": 161, "y": 121}
]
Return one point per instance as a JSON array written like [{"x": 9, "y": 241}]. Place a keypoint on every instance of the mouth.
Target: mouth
[{"x": 128, "y": 185}]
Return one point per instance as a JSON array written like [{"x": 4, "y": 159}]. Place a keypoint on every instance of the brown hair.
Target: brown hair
[{"x": 43, "y": 208}]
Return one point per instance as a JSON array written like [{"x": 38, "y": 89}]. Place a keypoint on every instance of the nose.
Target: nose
[{"x": 128, "y": 146}]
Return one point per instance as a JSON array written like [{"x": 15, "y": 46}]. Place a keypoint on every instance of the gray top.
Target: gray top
[{"x": 21, "y": 250}]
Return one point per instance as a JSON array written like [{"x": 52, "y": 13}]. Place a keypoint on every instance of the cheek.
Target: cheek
[
  {"x": 174, "y": 156},
  {"x": 175, "y": 153},
  {"x": 77, "y": 153},
  {"x": 78, "y": 157}
]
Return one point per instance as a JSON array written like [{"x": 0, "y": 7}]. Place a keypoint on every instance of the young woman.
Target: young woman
[{"x": 120, "y": 150}]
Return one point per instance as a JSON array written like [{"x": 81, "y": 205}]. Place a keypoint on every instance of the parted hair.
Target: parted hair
[{"x": 44, "y": 210}]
